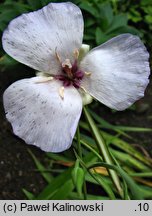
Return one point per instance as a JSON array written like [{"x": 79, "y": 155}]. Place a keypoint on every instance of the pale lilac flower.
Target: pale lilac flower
[{"x": 44, "y": 111}]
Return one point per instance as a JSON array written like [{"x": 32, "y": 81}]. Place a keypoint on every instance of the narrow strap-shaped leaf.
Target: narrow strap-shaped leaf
[
  {"x": 52, "y": 187},
  {"x": 28, "y": 194},
  {"x": 103, "y": 149},
  {"x": 63, "y": 192},
  {"x": 134, "y": 189},
  {"x": 98, "y": 179},
  {"x": 47, "y": 176}
]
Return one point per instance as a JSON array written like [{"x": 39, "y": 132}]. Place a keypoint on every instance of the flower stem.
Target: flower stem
[
  {"x": 103, "y": 150},
  {"x": 80, "y": 155},
  {"x": 79, "y": 143}
]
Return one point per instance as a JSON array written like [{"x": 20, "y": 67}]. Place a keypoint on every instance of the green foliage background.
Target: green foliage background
[{"x": 103, "y": 20}]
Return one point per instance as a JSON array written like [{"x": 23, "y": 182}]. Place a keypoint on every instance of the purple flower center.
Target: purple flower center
[{"x": 71, "y": 74}]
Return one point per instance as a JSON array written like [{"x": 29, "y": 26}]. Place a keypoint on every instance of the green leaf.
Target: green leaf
[
  {"x": 99, "y": 179},
  {"x": 45, "y": 2},
  {"x": 28, "y": 194},
  {"x": 134, "y": 189},
  {"x": 7, "y": 1},
  {"x": 83, "y": 142},
  {"x": 133, "y": 129},
  {"x": 103, "y": 149},
  {"x": 35, "y": 4},
  {"x": 89, "y": 8},
  {"x": 124, "y": 146},
  {"x": 5, "y": 7},
  {"x": 90, "y": 179},
  {"x": 56, "y": 183},
  {"x": 63, "y": 192},
  {"x": 90, "y": 158},
  {"x": 88, "y": 37},
  {"x": 107, "y": 125},
  {"x": 134, "y": 15},
  {"x": 9, "y": 11},
  {"x": 148, "y": 10},
  {"x": 119, "y": 143},
  {"x": 106, "y": 12},
  {"x": 104, "y": 185},
  {"x": 6, "y": 60},
  {"x": 58, "y": 157},
  {"x": 21, "y": 8},
  {"x": 47, "y": 176},
  {"x": 143, "y": 174},
  {"x": 8, "y": 15},
  {"x": 146, "y": 192},
  {"x": 78, "y": 177},
  {"x": 125, "y": 188},
  {"x": 101, "y": 37},
  {"x": 126, "y": 29},
  {"x": 146, "y": 2},
  {"x": 130, "y": 161},
  {"x": 118, "y": 21},
  {"x": 89, "y": 22},
  {"x": 148, "y": 18}
]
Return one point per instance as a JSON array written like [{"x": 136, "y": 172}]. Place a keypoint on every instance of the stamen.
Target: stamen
[
  {"x": 67, "y": 63},
  {"x": 83, "y": 89},
  {"x": 87, "y": 73},
  {"x": 76, "y": 53},
  {"x": 61, "y": 92},
  {"x": 79, "y": 74},
  {"x": 44, "y": 79},
  {"x": 70, "y": 73},
  {"x": 57, "y": 56},
  {"x": 67, "y": 67}
]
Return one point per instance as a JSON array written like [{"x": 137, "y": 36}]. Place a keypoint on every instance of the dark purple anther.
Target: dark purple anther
[
  {"x": 70, "y": 75},
  {"x": 67, "y": 83},
  {"x": 79, "y": 74}
]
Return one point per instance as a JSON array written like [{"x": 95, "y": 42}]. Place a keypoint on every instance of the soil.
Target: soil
[{"x": 17, "y": 169}]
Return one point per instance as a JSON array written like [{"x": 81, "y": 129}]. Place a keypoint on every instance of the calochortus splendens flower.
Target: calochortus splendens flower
[{"x": 45, "y": 110}]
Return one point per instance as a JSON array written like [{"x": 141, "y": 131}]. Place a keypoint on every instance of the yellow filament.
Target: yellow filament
[
  {"x": 76, "y": 53},
  {"x": 83, "y": 89},
  {"x": 87, "y": 73},
  {"x": 44, "y": 79},
  {"x": 61, "y": 92}
]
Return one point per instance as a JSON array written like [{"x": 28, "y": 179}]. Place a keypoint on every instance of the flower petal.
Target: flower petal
[
  {"x": 34, "y": 38},
  {"x": 119, "y": 71},
  {"x": 40, "y": 116}
]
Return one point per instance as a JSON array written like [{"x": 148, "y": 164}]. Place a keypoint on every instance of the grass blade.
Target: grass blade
[
  {"x": 104, "y": 151},
  {"x": 47, "y": 176},
  {"x": 56, "y": 183},
  {"x": 134, "y": 189}
]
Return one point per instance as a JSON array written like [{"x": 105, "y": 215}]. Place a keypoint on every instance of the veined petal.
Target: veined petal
[
  {"x": 35, "y": 38},
  {"x": 40, "y": 116},
  {"x": 119, "y": 71}
]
